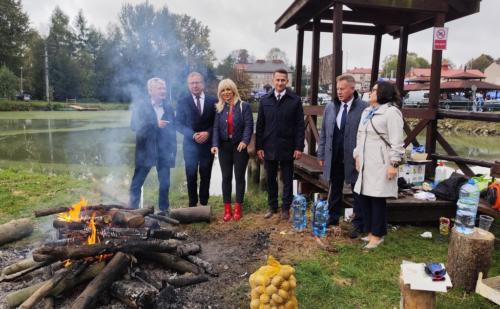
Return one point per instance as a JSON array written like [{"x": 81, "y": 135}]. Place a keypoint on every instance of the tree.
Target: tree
[
  {"x": 14, "y": 32},
  {"x": 243, "y": 56},
  {"x": 276, "y": 54},
  {"x": 226, "y": 67},
  {"x": 244, "y": 83},
  {"x": 305, "y": 78},
  {"x": 412, "y": 61},
  {"x": 8, "y": 83},
  {"x": 480, "y": 63}
]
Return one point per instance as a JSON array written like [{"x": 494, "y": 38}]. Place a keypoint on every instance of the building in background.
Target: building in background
[
  {"x": 446, "y": 72},
  {"x": 362, "y": 77},
  {"x": 261, "y": 72},
  {"x": 492, "y": 73}
]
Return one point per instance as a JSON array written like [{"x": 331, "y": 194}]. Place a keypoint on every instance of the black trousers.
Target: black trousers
[
  {"x": 374, "y": 214},
  {"x": 272, "y": 183},
  {"x": 198, "y": 163},
  {"x": 230, "y": 158},
  {"x": 140, "y": 174}
]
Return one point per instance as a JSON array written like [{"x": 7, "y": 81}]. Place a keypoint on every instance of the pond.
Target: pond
[{"x": 100, "y": 146}]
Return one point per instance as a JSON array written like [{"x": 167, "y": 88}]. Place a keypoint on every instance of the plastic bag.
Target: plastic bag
[{"x": 273, "y": 286}]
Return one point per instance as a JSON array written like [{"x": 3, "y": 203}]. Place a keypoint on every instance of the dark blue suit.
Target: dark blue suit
[
  {"x": 279, "y": 132},
  {"x": 196, "y": 156},
  {"x": 154, "y": 147},
  {"x": 229, "y": 156}
]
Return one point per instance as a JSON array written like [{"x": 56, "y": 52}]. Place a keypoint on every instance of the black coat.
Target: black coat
[
  {"x": 242, "y": 124},
  {"x": 153, "y": 145},
  {"x": 189, "y": 121},
  {"x": 280, "y": 126}
]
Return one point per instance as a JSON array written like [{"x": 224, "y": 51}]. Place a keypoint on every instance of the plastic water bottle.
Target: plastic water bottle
[
  {"x": 440, "y": 174},
  {"x": 467, "y": 208},
  {"x": 320, "y": 219},
  {"x": 299, "y": 206}
]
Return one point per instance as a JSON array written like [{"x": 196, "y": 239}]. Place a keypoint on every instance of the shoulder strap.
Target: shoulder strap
[{"x": 380, "y": 135}]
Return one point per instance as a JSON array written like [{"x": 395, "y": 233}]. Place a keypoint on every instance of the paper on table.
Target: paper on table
[{"x": 414, "y": 275}]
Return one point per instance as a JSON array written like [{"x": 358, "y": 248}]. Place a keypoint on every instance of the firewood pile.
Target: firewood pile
[{"x": 105, "y": 250}]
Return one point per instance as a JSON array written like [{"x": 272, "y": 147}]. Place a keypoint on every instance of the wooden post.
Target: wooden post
[
  {"x": 468, "y": 255},
  {"x": 298, "y": 62},
  {"x": 431, "y": 136},
  {"x": 377, "y": 44},
  {"x": 403, "y": 50},
  {"x": 316, "y": 33},
  {"x": 415, "y": 299},
  {"x": 337, "y": 43}
]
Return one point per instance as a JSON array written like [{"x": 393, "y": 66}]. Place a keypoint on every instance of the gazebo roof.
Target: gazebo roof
[
  {"x": 381, "y": 16},
  {"x": 465, "y": 75}
]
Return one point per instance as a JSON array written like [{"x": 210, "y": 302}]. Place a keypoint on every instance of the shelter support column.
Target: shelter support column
[
  {"x": 431, "y": 136},
  {"x": 337, "y": 43},
  {"x": 377, "y": 44},
  {"x": 311, "y": 141},
  {"x": 298, "y": 62},
  {"x": 403, "y": 50}
]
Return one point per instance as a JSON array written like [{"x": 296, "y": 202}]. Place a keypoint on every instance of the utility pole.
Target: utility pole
[
  {"x": 47, "y": 94},
  {"x": 22, "y": 92}
]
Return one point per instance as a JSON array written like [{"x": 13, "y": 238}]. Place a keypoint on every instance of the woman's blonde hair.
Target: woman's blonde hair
[{"x": 226, "y": 84}]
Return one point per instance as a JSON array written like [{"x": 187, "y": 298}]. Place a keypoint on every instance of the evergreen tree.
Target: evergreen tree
[
  {"x": 8, "y": 83},
  {"x": 14, "y": 33}
]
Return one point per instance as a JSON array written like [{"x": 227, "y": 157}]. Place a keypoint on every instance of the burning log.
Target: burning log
[
  {"x": 51, "y": 253},
  {"x": 14, "y": 230},
  {"x": 115, "y": 268},
  {"x": 203, "y": 264},
  {"x": 167, "y": 233},
  {"x": 15, "y": 298},
  {"x": 60, "y": 224},
  {"x": 128, "y": 219},
  {"x": 187, "y": 279},
  {"x": 170, "y": 261},
  {"x": 53, "y": 211},
  {"x": 192, "y": 214},
  {"x": 134, "y": 294}
]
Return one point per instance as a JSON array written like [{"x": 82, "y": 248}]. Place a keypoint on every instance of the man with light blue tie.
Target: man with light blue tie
[{"x": 337, "y": 142}]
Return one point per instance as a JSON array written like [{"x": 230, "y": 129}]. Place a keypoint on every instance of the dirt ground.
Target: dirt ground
[{"x": 235, "y": 249}]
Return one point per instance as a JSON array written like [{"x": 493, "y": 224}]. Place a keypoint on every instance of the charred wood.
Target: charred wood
[
  {"x": 187, "y": 279},
  {"x": 115, "y": 268},
  {"x": 53, "y": 211},
  {"x": 164, "y": 219},
  {"x": 188, "y": 249},
  {"x": 203, "y": 264},
  {"x": 170, "y": 261},
  {"x": 134, "y": 294}
]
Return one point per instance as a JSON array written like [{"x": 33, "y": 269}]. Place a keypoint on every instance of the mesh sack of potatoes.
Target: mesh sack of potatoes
[{"x": 273, "y": 286}]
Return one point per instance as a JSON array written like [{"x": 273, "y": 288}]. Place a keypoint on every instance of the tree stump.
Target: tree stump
[
  {"x": 468, "y": 255},
  {"x": 416, "y": 299}
]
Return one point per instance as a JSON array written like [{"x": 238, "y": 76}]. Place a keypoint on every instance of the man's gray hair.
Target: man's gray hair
[
  {"x": 192, "y": 74},
  {"x": 154, "y": 81},
  {"x": 348, "y": 78}
]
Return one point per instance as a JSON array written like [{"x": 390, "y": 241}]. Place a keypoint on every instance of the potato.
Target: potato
[
  {"x": 264, "y": 298},
  {"x": 255, "y": 293},
  {"x": 255, "y": 304},
  {"x": 290, "y": 305},
  {"x": 260, "y": 280},
  {"x": 277, "y": 298},
  {"x": 283, "y": 294},
  {"x": 274, "y": 307},
  {"x": 273, "y": 303},
  {"x": 285, "y": 273},
  {"x": 260, "y": 289},
  {"x": 277, "y": 280},
  {"x": 251, "y": 280},
  {"x": 281, "y": 307},
  {"x": 265, "y": 306},
  {"x": 285, "y": 285},
  {"x": 271, "y": 289},
  {"x": 292, "y": 282}
]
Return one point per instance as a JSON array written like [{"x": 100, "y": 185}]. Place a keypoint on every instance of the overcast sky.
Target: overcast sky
[{"x": 250, "y": 24}]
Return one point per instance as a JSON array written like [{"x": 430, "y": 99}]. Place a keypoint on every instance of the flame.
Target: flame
[
  {"x": 74, "y": 213},
  {"x": 92, "y": 239},
  {"x": 67, "y": 263}
]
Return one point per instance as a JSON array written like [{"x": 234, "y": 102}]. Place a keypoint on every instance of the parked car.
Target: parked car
[
  {"x": 324, "y": 98},
  {"x": 417, "y": 98},
  {"x": 455, "y": 101}
]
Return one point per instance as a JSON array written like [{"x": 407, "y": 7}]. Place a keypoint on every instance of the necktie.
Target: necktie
[
  {"x": 343, "y": 118},
  {"x": 198, "y": 104},
  {"x": 278, "y": 97}
]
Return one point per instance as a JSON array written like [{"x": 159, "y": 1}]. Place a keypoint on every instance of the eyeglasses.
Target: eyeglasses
[{"x": 373, "y": 89}]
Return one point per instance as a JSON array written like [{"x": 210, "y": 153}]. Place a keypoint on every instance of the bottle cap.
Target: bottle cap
[{"x": 471, "y": 181}]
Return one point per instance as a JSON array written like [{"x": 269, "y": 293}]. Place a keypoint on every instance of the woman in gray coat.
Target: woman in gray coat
[{"x": 379, "y": 150}]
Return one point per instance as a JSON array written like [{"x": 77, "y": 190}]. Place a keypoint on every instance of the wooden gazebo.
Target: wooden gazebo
[{"x": 398, "y": 19}]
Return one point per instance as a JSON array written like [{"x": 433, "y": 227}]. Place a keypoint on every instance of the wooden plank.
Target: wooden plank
[
  {"x": 484, "y": 116},
  {"x": 346, "y": 28},
  {"x": 422, "y": 113},
  {"x": 309, "y": 164},
  {"x": 486, "y": 209},
  {"x": 401, "y": 64},
  {"x": 495, "y": 169},
  {"x": 298, "y": 62},
  {"x": 449, "y": 150},
  {"x": 413, "y": 134},
  {"x": 287, "y": 18},
  {"x": 314, "y": 110},
  {"x": 377, "y": 18},
  {"x": 415, "y": 5},
  {"x": 458, "y": 159}
]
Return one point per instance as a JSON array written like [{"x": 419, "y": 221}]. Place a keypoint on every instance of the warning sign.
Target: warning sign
[{"x": 440, "y": 38}]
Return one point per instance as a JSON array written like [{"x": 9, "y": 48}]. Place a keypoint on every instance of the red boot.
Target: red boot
[
  {"x": 227, "y": 212},
  {"x": 237, "y": 212}
]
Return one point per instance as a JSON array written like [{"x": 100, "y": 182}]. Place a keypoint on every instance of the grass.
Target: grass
[
  {"x": 348, "y": 278},
  {"x": 11, "y": 105}
]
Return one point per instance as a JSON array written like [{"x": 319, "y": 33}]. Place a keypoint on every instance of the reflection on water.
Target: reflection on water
[{"x": 110, "y": 151}]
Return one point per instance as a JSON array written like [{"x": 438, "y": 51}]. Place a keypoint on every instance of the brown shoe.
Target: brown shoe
[
  {"x": 285, "y": 215},
  {"x": 269, "y": 214}
]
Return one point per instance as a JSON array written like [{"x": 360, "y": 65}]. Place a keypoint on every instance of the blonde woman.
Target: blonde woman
[{"x": 232, "y": 131}]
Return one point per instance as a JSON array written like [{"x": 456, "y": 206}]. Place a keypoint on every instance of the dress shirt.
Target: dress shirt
[
  {"x": 158, "y": 110},
  {"x": 282, "y": 93},
  {"x": 202, "y": 101},
  {"x": 339, "y": 114}
]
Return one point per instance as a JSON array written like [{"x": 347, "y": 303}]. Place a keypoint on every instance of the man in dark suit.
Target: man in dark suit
[
  {"x": 280, "y": 140},
  {"x": 195, "y": 118},
  {"x": 335, "y": 149},
  {"x": 154, "y": 126}
]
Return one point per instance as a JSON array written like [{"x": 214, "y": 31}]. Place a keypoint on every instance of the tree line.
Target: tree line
[{"x": 86, "y": 63}]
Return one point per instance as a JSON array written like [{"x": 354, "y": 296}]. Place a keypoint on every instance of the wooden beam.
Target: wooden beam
[
  {"x": 485, "y": 116},
  {"x": 431, "y": 136},
  {"x": 458, "y": 159},
  {"x": 437, "y": 6},
  {"x": 377, "y": 44},
  {"x": 298, "y": 62},
  {"x": 347, "y": 28},
  {"x": 422, "y": 113},
  {"x": 285, "y": 20},
  {"x": 401, "y": 66},
  {"x": 377, "y": 18},
  {"x": 337, "y": 29},
  {"x": 416, "y": 131},
  {"x": 450, "y": 151},
  {"x": 299, "y": 12},
  {"x": 314, "y": 110},
  {"x": 311, "y": 139}
]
